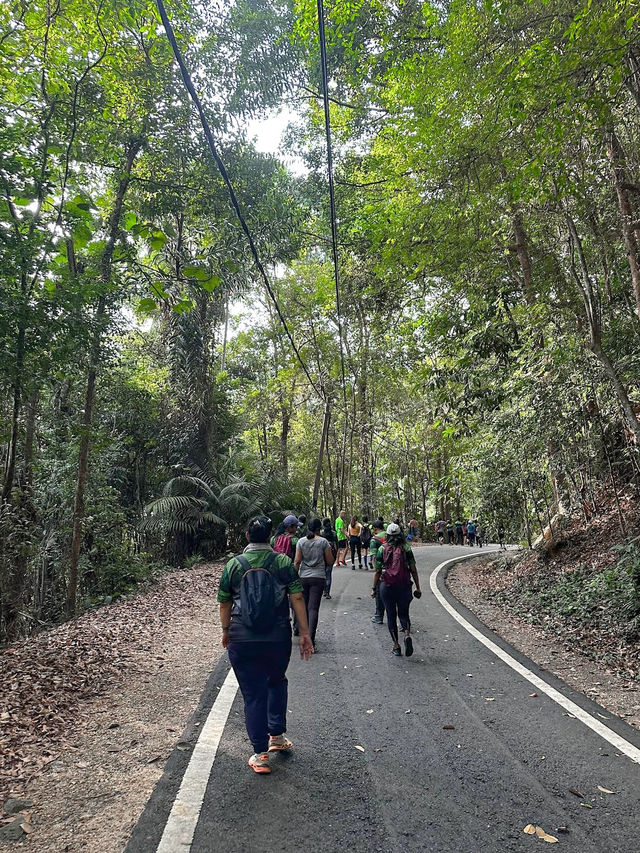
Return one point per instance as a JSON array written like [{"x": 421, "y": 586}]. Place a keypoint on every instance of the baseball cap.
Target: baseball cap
[
  {"x": 393, "y": 530},
  {"x": 289, "y": 520}
]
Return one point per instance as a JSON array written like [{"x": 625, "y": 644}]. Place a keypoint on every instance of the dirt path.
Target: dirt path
[
  {"x": 557, "y": 654},
  {"x": 110, "y": 747}
]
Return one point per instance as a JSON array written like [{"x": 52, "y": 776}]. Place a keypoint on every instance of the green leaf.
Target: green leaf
[
  {"x": 210, "y": 284},
  {"x": 146, "y": 305}
]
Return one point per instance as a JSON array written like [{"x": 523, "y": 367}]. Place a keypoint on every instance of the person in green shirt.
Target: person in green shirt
[
  {"x": 343, "y": 542},
  {"x": 260, "y": 657}
]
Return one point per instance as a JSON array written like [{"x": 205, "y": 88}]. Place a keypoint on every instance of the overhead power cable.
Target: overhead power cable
[
  {"x": 334, "y": 227},
  {"x": 186, "y": 77},
  {"x": 332, "y": 196}
]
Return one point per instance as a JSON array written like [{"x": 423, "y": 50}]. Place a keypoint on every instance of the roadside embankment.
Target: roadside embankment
[{"x": 91, "y": 710}]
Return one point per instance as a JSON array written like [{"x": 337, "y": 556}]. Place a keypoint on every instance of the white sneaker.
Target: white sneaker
[
  {"x": 279, "y": 743},
  {"x": 259, "y": 762}
]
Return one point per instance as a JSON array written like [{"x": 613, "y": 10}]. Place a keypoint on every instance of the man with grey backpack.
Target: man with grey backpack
[{"x": 255, "y": 589}]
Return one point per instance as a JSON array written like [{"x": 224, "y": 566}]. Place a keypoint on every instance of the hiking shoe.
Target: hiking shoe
[
  {"x": 408, "y": 646},
  {"x": 398, "y": 652},
  {"x": 377, "y": 619},
  {"x": 328, "y": 596},
  {"x": 259, "y": 762},
  {"x": 279, "y": 743}
]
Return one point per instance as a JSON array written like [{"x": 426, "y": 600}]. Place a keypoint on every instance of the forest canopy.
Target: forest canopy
[{"x": 484, "y": 359}]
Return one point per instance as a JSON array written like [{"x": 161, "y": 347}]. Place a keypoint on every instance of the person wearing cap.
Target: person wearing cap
[
  {"x": 260, "y": 657},
  {"x": 286, "y": 538},
  {"x": 379, "y": 538},
  {"x": 395, "y": 571}
]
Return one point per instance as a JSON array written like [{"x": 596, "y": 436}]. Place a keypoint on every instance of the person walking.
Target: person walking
[
  {"x": 330, "y": 535},
  {"x": 254, "y": 593},
  {"x": 365, "y": 541},
  {"x": 459, "y": 533},
  {"x": 302, "y": 526},
  {"x": 480, "y": 536},
  {"x": 450, "y": 532},
  {"x": 395, "y": 571},
  {"x": 414, "y": 528},
  {"x": 501, "y": 536},
  {"x": 313, "y": 553},
  {"x": 343, "y": 542},
  {"x": 379, "y": 538},
  {"x": 355, "y": 529},
  {"x": 286, "y": 538},
  {"x": 471, "y": 533},
  {"x": 441, "y": 527}
]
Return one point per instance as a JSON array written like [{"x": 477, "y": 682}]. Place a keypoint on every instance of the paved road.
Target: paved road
[{"x": 416, "y": 786}]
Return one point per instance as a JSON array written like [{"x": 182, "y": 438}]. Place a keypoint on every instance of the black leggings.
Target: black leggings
[
  {"x": 312, "y": 589},
  {"x": 355, "y": 543},
  {"x": 396, "y": 603}
]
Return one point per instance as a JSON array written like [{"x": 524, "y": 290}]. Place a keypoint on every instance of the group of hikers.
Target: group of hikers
[
  {"x": 290, "y": 571},
  {"x": 461, "y": 532}
]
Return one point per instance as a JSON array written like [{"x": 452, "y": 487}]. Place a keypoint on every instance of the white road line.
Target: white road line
[
  {"x": 181, "y": 824},
  {"x": 599, "y": 728}
]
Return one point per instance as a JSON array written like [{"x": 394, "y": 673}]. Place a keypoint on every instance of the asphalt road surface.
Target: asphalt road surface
[{"x": 376, "y": 765}]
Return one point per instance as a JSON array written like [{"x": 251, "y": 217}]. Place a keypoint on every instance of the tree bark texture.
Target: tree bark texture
[
  {"x": 106, "y": 264},
  {"x": 618, "y": 167}
]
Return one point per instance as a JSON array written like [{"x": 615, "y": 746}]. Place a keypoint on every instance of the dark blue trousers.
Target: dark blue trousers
[{"x": 261, "y": 672}]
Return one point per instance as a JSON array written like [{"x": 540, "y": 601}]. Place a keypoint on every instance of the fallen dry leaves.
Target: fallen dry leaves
[
  {"x": 539, "y": 832},
  {"x": 46, "y": 679}
]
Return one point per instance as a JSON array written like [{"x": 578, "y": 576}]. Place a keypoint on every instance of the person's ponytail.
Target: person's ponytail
[{"x": 314, "y": 528}]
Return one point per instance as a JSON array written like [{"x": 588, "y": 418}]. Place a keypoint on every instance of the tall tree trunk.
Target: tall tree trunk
[
  {"x": 592, "y": 311},
  {"x": 284, "y": 440},
  {"x": 15, "y": 412},
  {"x": 323, "y": 440},
  {"x": 106, "y": 264},
  {"x": 618, "y": 167},
  {"x": 522, "y": 253},
  {"x": 26, "y": 512}
]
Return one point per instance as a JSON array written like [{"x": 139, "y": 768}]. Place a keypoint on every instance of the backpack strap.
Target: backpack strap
[{"x": 246, "y": 565}]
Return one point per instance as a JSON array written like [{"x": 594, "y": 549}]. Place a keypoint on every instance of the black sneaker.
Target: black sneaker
[
  {"x": 397, "y": 653},
  {"x": 408, "y": 646},
  {"x": 377, "y": 619}
]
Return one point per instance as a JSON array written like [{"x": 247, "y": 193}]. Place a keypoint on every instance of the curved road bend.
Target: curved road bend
[{"x": 415, "y": 785}]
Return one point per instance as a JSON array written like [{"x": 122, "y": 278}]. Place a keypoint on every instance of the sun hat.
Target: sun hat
[{"x": 393, "y": 530}]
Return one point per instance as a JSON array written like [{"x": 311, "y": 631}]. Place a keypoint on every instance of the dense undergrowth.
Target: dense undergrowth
[{"x": 582, "y": 585}]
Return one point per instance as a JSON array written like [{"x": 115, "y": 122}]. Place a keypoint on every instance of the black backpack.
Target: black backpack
[
  {"x": 259, "y": 595},
  {"x": 365, "y": 535}
]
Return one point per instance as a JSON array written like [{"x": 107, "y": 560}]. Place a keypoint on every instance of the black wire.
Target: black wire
[
  {"x": 334, "y": 228},
  {"x": 186, "y": 77},
  {"x": 332, "y": 196}
]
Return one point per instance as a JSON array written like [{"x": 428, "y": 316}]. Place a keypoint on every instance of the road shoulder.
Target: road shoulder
[{"x": 552, "y": 652}]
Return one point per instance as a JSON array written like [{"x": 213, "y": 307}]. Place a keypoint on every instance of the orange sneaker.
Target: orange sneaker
[
  {"x": 259, "y": 763},
  {"x": 279, "y": 743}
]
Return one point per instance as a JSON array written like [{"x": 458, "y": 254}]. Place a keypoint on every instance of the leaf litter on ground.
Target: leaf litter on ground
[{"x": 47, "y": 680}]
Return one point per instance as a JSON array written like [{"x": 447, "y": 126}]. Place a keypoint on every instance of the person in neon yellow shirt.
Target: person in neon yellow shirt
[{"x": 343, "y": 542}]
